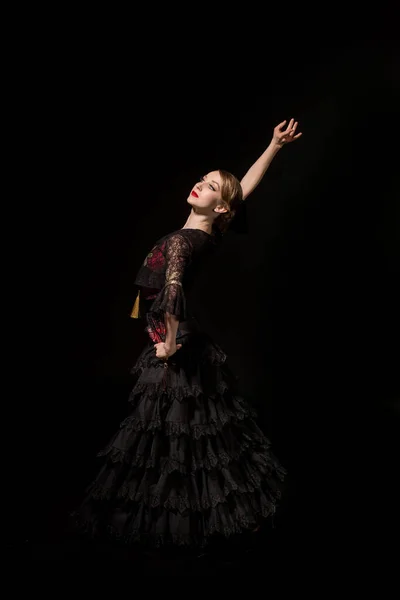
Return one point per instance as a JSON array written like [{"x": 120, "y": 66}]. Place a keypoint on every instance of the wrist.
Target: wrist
[
  {"x": 170, "y": 346},
  {"x": 275, "y": 146}
]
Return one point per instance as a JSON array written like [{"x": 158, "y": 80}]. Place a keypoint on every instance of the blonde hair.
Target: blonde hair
[{"x": 232, "y": 196}]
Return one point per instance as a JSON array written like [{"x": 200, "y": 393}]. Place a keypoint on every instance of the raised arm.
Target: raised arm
[{"x": 257, "y": 171}]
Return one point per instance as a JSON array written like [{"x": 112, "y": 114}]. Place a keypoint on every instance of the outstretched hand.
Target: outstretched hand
[{"x": 285, "y": 136}]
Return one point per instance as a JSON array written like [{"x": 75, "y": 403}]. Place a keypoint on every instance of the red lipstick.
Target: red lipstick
[{"x": 194, "y": 194}]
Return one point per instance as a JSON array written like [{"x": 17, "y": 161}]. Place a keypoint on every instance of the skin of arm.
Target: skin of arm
[
  {"x": 280, "y": 138},
  {"x": 171, "y": 324},
  {"x": 257, "y": 171}
]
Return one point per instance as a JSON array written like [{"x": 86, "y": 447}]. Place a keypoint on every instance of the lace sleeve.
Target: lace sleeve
[{"x": 171, "y": 298}]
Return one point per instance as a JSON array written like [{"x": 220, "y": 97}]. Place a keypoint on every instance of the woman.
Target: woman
[{"x": 189, "y": 461}]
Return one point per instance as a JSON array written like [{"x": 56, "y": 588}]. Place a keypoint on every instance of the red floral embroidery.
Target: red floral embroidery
[
  {"x": 157, "y": 332},
  {"x": 155, "y": 259}
]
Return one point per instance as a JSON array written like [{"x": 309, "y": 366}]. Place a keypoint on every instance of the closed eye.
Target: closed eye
[{"x": 209, "y": 185}]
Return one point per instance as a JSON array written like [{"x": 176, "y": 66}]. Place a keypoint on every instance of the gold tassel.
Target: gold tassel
[{"x": 135, "y": 310}]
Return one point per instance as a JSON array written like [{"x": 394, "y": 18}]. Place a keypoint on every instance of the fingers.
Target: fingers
[
  {"x": 289, "y": 131},
  {"x": 289, "y": 134},
  {"x": 293, "y": 130},
  {"x": 289, "y": 127}
]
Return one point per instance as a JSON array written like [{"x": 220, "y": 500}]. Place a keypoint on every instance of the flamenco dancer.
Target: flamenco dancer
[{"x": 189, "y": 462}]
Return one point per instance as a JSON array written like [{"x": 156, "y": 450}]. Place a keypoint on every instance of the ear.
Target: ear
[{"x": 221, "y": 208}]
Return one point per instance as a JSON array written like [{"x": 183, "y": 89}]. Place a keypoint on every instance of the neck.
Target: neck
[{"x": 198, "y": 222}]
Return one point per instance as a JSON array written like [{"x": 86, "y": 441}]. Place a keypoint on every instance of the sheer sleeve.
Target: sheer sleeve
[{"x": 171, "y": 298}]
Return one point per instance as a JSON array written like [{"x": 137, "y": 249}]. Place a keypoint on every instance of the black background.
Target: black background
[{"x": 302, "y": 295}]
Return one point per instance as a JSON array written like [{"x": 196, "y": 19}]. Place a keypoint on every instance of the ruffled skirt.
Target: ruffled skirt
[{"x": 189, "y": 461}]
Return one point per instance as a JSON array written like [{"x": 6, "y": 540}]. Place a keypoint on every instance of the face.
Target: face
[{"x": 205, "y": 196}]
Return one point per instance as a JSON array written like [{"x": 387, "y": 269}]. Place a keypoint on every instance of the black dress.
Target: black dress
[{"x": 189, "y": 461}]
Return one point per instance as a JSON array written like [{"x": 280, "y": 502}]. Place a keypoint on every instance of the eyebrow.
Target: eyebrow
[{"x": 213, "y": 181}]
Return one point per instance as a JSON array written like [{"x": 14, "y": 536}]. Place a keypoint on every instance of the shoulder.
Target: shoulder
[
  {"x": 191, "y": 238},
  {"x": 174, "y": 238},
  {"x": 178, "y": 244},
  {"x": 179, "y": 238},
  {"x": 197, "y": 237},
  {"x": 187, "y": 241}
]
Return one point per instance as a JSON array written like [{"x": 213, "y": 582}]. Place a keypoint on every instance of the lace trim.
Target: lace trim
[
  {"x": 199, "y": 540},
  {"x": 242, "y": 524},
  {"x": 213, "y": 460},
  {"x": 175, "y": 428},
  {"x": 181, "y": 504},
  {"x": 177, "y": 257},
  {"x": 153, "y": 391}
]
